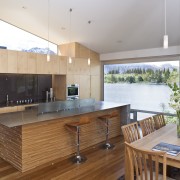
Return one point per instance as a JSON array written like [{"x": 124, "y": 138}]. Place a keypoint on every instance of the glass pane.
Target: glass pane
[
  {"x": 143, "y": 85},
  {"x": 14, "y": 38}
]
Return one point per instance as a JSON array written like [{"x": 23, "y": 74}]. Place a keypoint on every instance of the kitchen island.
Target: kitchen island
[{"x": 31, "y": 138}]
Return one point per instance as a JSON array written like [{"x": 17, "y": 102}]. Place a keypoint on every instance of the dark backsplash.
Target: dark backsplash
[{"x": 24, "y": 87}]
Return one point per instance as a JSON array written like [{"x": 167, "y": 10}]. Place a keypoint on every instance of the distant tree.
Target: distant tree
[
  {"x": 113, "y": 78},
  {"x": 130, "y": 79},
  {"x": 166, "y": 75},
  {"x": 140, "y": 79}
]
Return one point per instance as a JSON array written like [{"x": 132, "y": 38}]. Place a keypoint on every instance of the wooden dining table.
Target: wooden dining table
[{"x": 166, "y": 134}]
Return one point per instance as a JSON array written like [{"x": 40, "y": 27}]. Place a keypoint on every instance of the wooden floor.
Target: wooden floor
[{"x": 101, "y": 164}]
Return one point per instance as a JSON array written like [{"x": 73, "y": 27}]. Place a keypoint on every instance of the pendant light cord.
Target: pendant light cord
[
  {"x": 48, "y": 26},
  {"x": 89, "y": 22},
  {"x": 165, "y": 16},
  {"x": 70, "y": 11}
]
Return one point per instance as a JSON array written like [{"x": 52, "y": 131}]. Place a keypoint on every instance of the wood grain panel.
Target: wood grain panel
[
  {"x": 3, "y": 61},
  {"x": 10, "y": 145},
  {"x": 63, "y": 65},
  {"x": 12, "y": 61},
  {"x": 22, "y": 62},
  {"x": 54, "y": 64},
  {"x": 32, "y": 63},
  {"x": 32, "y": 145},
  {"x": 101, "y": 164},
  {"x": 95, "y": 87},
  {"x": 59, "y": 86},
  {"x": 43, "y": 142},
  {"x": 95, "y": 67},
  {"x": 84, "y": 86}
]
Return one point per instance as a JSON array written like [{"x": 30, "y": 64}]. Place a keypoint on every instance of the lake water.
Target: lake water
[{"x": 141, "y": 96}]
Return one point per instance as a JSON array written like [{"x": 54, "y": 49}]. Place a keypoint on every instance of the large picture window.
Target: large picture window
[
  {"x": 14, "y": 38},
  {"x": 143, "y": 85}
]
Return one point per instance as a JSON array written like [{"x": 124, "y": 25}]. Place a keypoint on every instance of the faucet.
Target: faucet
[
  {"x": 7, "y": 100},
  {"x": 49, "y": 94}
]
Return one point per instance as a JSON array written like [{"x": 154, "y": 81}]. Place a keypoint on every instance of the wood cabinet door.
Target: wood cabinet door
[
  {"x": 62, "y": 65},
  {"x": 42, "y": 64},
  {"x": 71, "y": 67},
  {"x": 22, "y": 65},
  {"x": 12, "y": 61},
  {"x": 32, "y": 63},
  {"x": 53, "y": 65},
  {"x": 81, "y": 66},
  {"x": 95, "y": 87},
  {"x": 72, "y": 79},
  {"x": 84, "y": 86},
  {"x": 3, "y": 61},
  {"x": 95, "y": 67}
]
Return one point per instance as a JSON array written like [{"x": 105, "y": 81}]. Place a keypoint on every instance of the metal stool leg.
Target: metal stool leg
[
  {"x": 78, "y": 158},
  {"x": 107, "y": 145}
]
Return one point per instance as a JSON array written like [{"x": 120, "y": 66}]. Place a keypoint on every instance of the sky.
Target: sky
[{"x": 174, "y": 63}]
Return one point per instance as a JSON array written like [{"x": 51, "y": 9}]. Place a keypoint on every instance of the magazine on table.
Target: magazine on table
[{"x": 171, "y": 149}]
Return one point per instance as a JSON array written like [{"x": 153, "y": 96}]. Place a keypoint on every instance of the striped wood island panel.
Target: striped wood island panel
[{"x": 32, "y": 145}]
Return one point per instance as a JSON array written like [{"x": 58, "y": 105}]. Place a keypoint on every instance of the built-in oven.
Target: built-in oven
[{"x": 72, "y": 92}]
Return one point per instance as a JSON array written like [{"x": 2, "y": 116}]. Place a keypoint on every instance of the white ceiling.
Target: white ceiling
[{"x": 117, "y": 25}]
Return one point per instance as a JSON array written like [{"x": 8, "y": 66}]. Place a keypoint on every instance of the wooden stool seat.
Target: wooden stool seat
[
  {"x": 75, "y": 128},
  {"x": 105, "y": 119}
]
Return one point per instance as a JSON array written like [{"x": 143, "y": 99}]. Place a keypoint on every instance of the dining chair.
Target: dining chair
[
  {"x": 144, "y": 164},
  {"x": 147, "y": 126},
  {"x": 159, "y": 121},
  {"x": 131, "y": 132}
]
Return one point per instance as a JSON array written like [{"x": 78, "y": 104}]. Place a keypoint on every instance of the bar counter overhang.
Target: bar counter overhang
[{"x": 29, "y": 139}]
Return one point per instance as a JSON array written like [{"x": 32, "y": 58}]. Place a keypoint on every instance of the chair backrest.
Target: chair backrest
[
  {"x": 131, "y": 132},
  {"x": 147, "y": 126},
  {"x": 159, "y": 121},
  {"x": 144, "y": 164}
]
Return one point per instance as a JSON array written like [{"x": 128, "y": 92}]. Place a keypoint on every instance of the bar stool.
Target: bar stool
[
  {"x": 75, "y": 128},
  {"x": 105, "y": 119}
]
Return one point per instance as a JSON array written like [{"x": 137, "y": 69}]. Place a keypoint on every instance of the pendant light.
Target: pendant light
[
  {"x": 48, "y": 52},
  {"x": 165, "y": 43},
  {"x": 89, "y": 60},
  {"x": 70, "y": 59}
]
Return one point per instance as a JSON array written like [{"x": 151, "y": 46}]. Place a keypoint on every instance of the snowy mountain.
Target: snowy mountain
[{"x": 39, "y": 50}]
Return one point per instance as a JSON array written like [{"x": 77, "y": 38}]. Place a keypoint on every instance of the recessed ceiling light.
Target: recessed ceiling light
[
  {"x": 63, "y": 28},
  {"x": 24, "y": 7},
  {"x": 119, "y": 41}
]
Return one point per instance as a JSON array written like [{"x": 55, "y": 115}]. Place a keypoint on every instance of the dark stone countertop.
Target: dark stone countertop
[{"x": 31, "y": 115}]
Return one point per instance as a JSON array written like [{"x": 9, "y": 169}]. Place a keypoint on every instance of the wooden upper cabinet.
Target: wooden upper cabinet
[
  {"x": 71, "y": 67},
  {"x": 42, "y": 64},
  {"x": 32, "y": 63},
  {"x": 84, "y": 86},
  {"x": 12, "y": 61},
  {"x": 53, "y": 65},
  {"x": 22, "y": 65},
  {"x": 95, "y": 67},
  {"x": 72, "y": 79},
  {"x": 3, "y": 61},
  {"x": 82, "y": 67},
  {"x": 62, "y": 65},
  {"x": 95, "y": 87}
]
